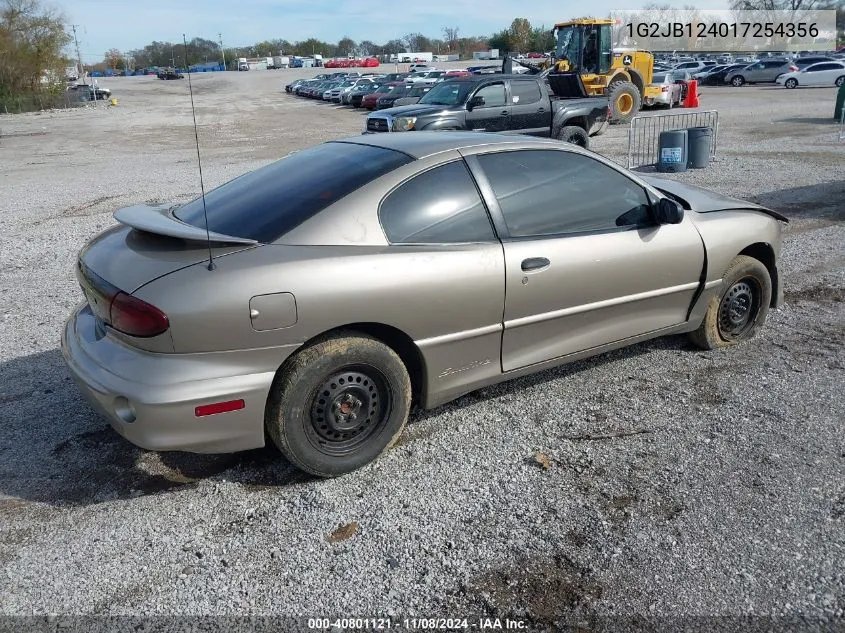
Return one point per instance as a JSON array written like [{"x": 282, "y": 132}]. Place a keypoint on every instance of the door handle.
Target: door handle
[
  {"x": 541, "y": 110},
  {"x": 535, "y": 263},
  {"x": 504, "y": 113}
]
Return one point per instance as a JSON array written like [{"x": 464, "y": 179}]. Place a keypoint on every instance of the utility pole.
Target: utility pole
[
  {"x": 81, "y": 68},
  {"x": 223, "y": 50}
]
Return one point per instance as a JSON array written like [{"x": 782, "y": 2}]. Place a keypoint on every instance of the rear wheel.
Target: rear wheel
[
  {"x": 839, "y": 81},
  {"x": 625, "y": 101},
  {"x": 575, "y": 135},
  {"x": 791, "y": 83},
  {"x": 339, "y": 404},
  {"x": 739, "y": 310},
  {"x": 738, "y": 81}
]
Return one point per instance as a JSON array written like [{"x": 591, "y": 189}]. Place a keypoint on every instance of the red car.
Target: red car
[
  {"x": 535, "y": 55},
  {"x": 454, "y": 74},
  {"x": 370, "y": 101}
]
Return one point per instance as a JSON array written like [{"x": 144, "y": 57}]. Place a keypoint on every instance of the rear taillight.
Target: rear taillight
[
  {"x": 664, "y": 89},
  {"x": 135, "y": 317},
  {"x": 119, "y": 310}
]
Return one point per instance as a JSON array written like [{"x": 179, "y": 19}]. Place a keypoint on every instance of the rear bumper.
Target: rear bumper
[{"x": 150, "y": 398}]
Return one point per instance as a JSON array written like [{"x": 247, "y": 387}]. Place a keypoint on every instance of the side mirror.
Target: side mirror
[
  {"x": 669, "y": 212},
  {"x": 474, "y": 103}
]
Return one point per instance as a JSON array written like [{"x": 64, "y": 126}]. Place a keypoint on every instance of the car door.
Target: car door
[
  {"x": 585, "y": 264},
  {"x": 493, "y": 114},
  {"x": 530, "y": 108}
]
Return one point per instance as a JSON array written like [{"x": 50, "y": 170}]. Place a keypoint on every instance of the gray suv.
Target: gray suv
[{"x": 766, "y": 71}]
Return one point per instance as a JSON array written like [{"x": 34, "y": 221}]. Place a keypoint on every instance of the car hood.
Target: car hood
[
  {"x": 415, "y": 109},
  {"x": 702, "y": 200}
]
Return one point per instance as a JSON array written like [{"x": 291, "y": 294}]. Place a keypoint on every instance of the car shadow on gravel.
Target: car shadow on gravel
[
  {"x": 55, "y": 449},
  {"x": 822, "y": 201}
]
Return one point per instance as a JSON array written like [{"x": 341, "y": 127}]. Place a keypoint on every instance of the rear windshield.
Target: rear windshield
[{"x": 266, "y": 203}]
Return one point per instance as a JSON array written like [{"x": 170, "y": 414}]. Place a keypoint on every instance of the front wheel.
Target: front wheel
[
  {"x": 839, "y": 81},
  {"x": 738, "y": 81},
  {"x": 339, "y": 404},
  {"x": 575, "y": 135},
  {"x": 739, "y": 310},
  {"x": 791, "y": 83},
  {"x": 625, "y": 101}
]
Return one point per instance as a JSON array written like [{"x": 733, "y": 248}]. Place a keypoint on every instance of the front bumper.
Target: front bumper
[{"x": 150, "y": 398}]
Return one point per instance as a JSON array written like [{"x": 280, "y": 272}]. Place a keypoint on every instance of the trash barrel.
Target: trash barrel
[
  {"x": 698, "y": 147},
  {"x": 672, "y": 151},
  {"x": 840, "y": 103}
]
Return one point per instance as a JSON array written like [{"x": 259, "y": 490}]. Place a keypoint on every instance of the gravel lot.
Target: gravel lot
[{"x": 726, "y": 498}]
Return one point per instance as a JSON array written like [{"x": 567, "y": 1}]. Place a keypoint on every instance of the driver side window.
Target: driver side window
[{"x": 494, "y": 95}]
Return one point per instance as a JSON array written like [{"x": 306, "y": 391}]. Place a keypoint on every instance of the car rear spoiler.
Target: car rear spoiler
[{"x": 160, "y": 220}]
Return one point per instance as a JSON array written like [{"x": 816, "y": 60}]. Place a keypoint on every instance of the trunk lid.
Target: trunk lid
[{"x": 150, "y": 243}]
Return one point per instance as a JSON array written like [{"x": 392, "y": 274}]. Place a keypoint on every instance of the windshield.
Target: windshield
[
  {"x": 418, "y": 91},
  {"x": 448, "y": 93},
  {"x": 659, "y": 79},
  {"x": 567, "y": 44},
  {"x": 266, "y": 203}
]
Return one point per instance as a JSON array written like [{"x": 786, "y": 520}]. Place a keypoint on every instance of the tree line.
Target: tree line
[{"x": 31, "y": 62}]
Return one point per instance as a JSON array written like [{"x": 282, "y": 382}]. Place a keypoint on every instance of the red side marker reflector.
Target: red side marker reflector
[{"x": 219, "y": 407}]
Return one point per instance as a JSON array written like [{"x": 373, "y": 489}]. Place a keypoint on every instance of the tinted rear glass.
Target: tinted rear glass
[{"x": 266, "y": 203}]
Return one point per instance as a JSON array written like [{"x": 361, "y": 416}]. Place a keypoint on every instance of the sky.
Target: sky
[{"x": 105, "y": 24}]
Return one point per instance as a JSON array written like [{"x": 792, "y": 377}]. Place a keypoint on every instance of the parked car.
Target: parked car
[
  {"x": 294, "y": 84},
  {"x": 701, "y": 74},
  {"x": 500, "y": 103},
  {"x": 809, "y": 60},
  {"x": 345, "y": 95},
  {"x": 397, "y": 92},
  {"x": 716, "y": 76},
  {"x": 88, "y": 92},
  {"x": 170, "y": 73},
  {"x": 390, "y": 77},
  {"x": 766, "y": 71},
  {"x": 413, "y": 96},
  {"x": 356, "y": 97},
  {"x": 454, "y": 74},
  {"x": 820, "y": 74},
  {"x": 420, "y": 67},
  {"x": 370, "y": 101},
  {"x": 692, "y": 66},
  {"x": 672, "y": 89},
  {"x": 537, "y": 253}
]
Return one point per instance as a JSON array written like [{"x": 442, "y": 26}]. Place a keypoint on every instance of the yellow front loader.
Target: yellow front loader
[{"x": 584, "y": 48}]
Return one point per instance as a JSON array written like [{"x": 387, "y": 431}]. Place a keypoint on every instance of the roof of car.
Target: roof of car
[{"x": 422, "y": 144}]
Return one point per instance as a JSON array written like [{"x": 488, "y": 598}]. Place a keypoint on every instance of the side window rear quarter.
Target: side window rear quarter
[{"x": 439, "y": 206}]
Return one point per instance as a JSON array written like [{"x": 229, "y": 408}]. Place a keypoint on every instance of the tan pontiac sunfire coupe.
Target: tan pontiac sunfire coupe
[{"x": 353, "y": 278}]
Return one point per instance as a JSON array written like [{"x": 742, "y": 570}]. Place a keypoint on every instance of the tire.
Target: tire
[
  {"x": 312, "y": 405},
  {"x": 575, "y": 135},
  {"x": 739, "y": 310},
  {"x": 839, "y": 81},
  {"x": 737, "y": 81},
  {"x": 625, "y": 101},
  {"x": 791, "y": 83}
]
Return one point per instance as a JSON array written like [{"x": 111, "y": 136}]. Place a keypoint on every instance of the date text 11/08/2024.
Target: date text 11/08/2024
[{"x": 417, "y": 624}]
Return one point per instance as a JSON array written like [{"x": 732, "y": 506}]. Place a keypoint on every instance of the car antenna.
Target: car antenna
[{"x": 211, "y": 265}]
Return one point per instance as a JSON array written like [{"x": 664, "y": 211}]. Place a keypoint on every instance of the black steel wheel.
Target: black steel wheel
[
  {"x": 348, "y": 408},
  {"x": 739, "y": 309},
  {"x": 338, "y": 404}
]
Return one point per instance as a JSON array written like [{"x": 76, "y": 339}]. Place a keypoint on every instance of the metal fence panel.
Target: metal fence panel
[{"x": 644, "y": 133}]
